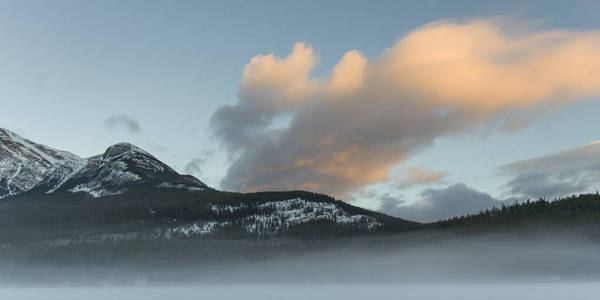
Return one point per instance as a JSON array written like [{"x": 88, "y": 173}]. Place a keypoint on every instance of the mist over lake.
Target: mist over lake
[{"x": 499, "y": 291}]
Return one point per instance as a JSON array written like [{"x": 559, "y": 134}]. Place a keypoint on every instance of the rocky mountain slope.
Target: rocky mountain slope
[
  {"x": 112, "y": 172},
  {"x": 24, "y": 164}
]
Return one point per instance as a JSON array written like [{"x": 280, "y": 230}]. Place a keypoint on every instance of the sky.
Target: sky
[{"x": 420, "y": 109}]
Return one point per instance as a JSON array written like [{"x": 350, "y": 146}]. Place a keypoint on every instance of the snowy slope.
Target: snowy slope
[
  {"x": 23, "y": 163},
  {"x": 112, "y": 172}
]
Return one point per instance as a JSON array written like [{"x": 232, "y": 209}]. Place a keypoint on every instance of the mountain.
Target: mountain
[
  {"x": 24, "y": 164},
  {"x": 54, "y": 197},
  {"x": 119, "y": 168}
]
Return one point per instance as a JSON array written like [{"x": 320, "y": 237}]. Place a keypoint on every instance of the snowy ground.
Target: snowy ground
[{"x": 534, "y": 291}]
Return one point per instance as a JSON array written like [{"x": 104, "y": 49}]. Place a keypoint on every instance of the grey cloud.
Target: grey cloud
[
  {"x": 238, "y": 126},
  {"x": 332, "y": 147},
  {"x": 123, "y": 122},
  {"x": 573, "y": 171},
  {"x": 194, "y": 167},
  {"x": 436, "y": 204},
  {"x": 514, "y": 124}
]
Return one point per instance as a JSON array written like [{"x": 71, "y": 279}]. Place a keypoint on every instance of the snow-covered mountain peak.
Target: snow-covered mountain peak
[
  {"x": 114, "y": 172},
  {"x": 23, "y": 163},
  {"x": 120, "y": 149},
  {"x": 136, "y": 158},
  {"x": 25, "y": 166}
]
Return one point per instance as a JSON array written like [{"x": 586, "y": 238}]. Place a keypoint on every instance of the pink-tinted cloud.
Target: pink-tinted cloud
[{"x": 348, "y": 130}]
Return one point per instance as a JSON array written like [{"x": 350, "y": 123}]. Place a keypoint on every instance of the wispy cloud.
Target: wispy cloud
[
  {"x": 350, "y": 129},
  {"x": 194, "y": 166},
  {"x": 573, "y": 171},
  {"x": 123, "y": 122}
]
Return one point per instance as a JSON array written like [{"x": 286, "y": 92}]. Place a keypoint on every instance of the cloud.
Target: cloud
[
  {"x": 436, "y": 204},
  {"x": 123, "y": 122},
  {"x": 350, "y": 129},
  {"x": 421, "y": 176},
  {"x": 573, "y": 171},
  {"x": 418, "y": 176},
  {"x": 194, "y": 167}
]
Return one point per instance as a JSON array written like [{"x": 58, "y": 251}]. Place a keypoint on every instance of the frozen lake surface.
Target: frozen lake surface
[{"x": 534, "y": 291}]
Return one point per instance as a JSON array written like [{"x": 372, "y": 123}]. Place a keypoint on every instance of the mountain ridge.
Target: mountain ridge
[
  {"x": 34, "y": 166},
  {"x": 135, "y": 194}
]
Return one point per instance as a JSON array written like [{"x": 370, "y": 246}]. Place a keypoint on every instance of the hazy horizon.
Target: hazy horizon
[{"x": 340, "y": 149}]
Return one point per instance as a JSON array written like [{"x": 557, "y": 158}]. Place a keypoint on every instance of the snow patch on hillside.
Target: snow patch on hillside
[
  {"x": 197, "y": 228},
  {"x": 107, "y": 181},
  {"x": 180, "y": 186},
  {"x": 277, "y": 216}
]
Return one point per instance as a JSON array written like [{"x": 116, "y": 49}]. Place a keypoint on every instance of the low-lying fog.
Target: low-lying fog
[
  {"x": 496, "y": 266},
  {"x": 503, "y": 291}
]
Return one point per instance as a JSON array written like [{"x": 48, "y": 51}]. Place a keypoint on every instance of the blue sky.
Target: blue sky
[{"x": 68, "y": 66}]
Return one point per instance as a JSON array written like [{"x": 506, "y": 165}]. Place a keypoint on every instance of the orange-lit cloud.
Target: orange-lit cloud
[
  {"x": 349, "y": 129},
  {"x": 481, "y": 66},
  {"x": 348, "y": 75},
  {"x": 421, "y": 175},
  {"x": 279, "y": 82}
]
